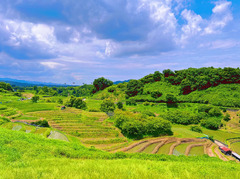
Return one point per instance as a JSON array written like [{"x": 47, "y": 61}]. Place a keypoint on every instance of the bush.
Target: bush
[
  {"x": 131, "y": 102},
  {"x": 120, "y": 105},
  {"x": 107, "y": 106},
  {"x": 133, "y": 129},
  {"x": 35, "y": 99},
  {"x": 148, "y": 113},
  {"x": 42, "y": 123},
  {"x": 156, "y": 94},
  {"x": 111, "y": 89},
  {"x": 77, "y": 103},
  {"x": 215, "y": 111},
  {"x": 227, "y": 117},
  {"x": 211, "y": 123},
  {"x": 196, "y": 129},
  {"x": 134, "y": 87},
  {"x": 60, "y": 101},
  {"x": 137, "y": 125},
  {"x": 158, "y": 126}
]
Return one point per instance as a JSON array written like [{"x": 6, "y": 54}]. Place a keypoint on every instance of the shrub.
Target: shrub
[
  {"x": 227, "y": 117},
  {"x": 77, "y": 103},
  {"x": 156, "y": 94},
  {"x": 35, "y": 99},
  {"x": 42, "y": 123},
  {"x": 211, "y": 123},
  {"x": 60, "y": 101},
  {"x": 107, "y": 106},
  {"x": 158, "y": 126},
  {"x": 148, "y": 113},
  {"x": 111, "y": 89},
  {"x": 131, "y": 102},
  {"x": 120, "y": 105},
  {"x": 134, "y": 87},
  {"x": 133, "y": 129},
  {"x": 215, "y": 111},
  {"x": 146, "y": 103},
  {"x": 196, "y": 129}
]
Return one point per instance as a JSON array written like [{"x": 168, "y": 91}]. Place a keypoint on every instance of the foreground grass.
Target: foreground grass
[
  {"x": 26, "y": 155},
  {"x": 121, "y": 168}
]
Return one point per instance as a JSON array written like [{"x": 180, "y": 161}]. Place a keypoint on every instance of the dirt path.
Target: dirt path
[
  {"x": 173, "y": 147},
  {"x": 155, "y": 150},
  {"x": 148, "y": 144},
  {"x": 209, "y": 150},
  {"x": 132, "y": 146},
  {"x": 219, "y": 154},
  {"x": 188, "y": 149}
]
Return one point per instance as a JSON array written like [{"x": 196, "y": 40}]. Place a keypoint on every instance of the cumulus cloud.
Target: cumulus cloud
[
  {"x": 193, "y": 26},
  {"x": 86, "y": 37},
  {"x": 221, "y": 16}
]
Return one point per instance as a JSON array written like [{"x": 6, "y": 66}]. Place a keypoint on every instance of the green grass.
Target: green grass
[
  {"x": 150, "y": 148},
  {"x": 196, "y": 151},
  {"x": 122, "y": 169},
  {"x": 165, "y": 148},
  {"x": 235, "y": 147},
  {"x": 134, "y": 149},
  {"x": 180, "y": 149},
  {"x": 26, "y": 155}
]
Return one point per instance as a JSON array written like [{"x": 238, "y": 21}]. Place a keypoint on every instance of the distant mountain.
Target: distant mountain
[
  {"x": 117, "y": 82},
  {"x": 23, "y": 83}
]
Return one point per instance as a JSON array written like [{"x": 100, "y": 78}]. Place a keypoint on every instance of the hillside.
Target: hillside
[
  {"x": 31, "y": 156},
  {"x": 118, "y": 125}
]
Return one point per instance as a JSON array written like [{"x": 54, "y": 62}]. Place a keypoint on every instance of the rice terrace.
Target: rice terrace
[{"x": 119, "y": 89}]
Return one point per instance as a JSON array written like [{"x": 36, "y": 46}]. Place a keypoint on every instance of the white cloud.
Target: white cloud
[
  {"x": 51, "y": 65},
  {"x": 193, "y": 26},
  {"x": 221, "y": 16},
  {"x": 220, "y": 44}
]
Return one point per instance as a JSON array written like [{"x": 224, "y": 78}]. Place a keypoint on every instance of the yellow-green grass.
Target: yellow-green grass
[
  {"x": 121, "y": 169},
  {"x": 199, "y": 150},
  {"x": 180, "y": 149},
  {"x": 150, "y": 148},
  {"x": 32, "y": 156},
  {"x": 182, "y": 131},
  {"x": 165, "y": 148},
  {"x": 235, "y": 147},
  {"x": 135, "y": 149}
]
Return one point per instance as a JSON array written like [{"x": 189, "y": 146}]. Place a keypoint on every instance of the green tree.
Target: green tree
[
  {"x": 227, "y": 117},
  {"x": 158, "y": 126},
  {"x": 134, "y": 87},
  {"x": 101, "y": 84},
  {"x": 107, "y": 106},
  {"x": 35, "y": 99},
  {"x": 77, "y": 103}
]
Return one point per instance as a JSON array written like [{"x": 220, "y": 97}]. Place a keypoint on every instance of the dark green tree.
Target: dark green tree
[
  {"x": 134, "y": 87},
  {"x": 35, "y": 99},
  {"x": 101, "y": 84}
]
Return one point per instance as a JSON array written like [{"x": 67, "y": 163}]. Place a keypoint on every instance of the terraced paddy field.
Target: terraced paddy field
[
  {"x": 91, "y": 128},
  {"x": 46, "y": 132},
  {"x": 174, "y": 146},
  {"x": 195, "y": 151}
]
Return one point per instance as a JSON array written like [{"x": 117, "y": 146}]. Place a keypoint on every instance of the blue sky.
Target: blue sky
[{"x": 68, "y": 41}]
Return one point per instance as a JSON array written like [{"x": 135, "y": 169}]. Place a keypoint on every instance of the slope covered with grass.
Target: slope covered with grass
[{"x": 32, "y": 156}]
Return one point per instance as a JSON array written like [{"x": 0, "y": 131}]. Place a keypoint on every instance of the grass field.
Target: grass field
[
  {"x": 25, "y": 155},
  {"x": 196, "y": 151}
]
